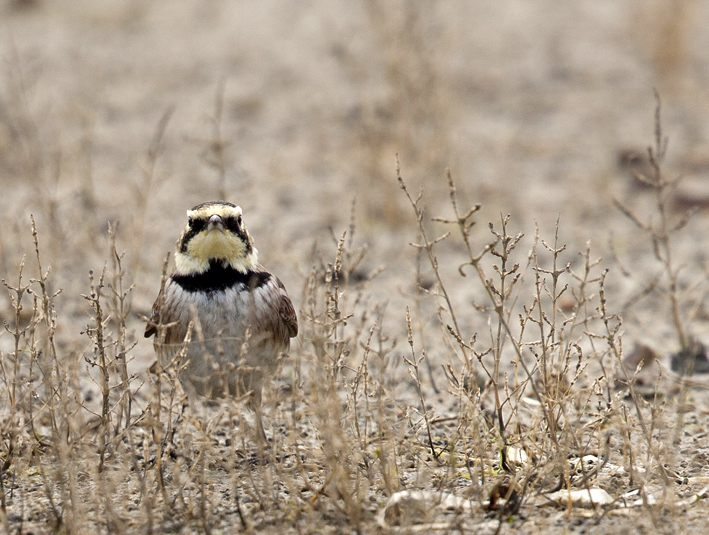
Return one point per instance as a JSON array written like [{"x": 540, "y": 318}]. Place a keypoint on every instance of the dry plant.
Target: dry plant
[
  {"x": 659, "y": 227},
  {"x": 358, "y": 433},
  {"x": 213, "y": 149},
  {"x": 548, "y": 364},
  {"x": 143, "y": 188},
  {"x": 404, "y": 110},
  {"x": 671, "y": 284}
]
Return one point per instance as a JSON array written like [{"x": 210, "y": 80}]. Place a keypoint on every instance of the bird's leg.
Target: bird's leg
[{"x": 251, "y": 382}]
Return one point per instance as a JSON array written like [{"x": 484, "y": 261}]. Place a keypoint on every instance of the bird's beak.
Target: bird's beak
[{"x": 216, "y": 222}]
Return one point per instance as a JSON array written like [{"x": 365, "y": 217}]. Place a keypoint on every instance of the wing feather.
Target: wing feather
[
  {"x": 164, "y": 312},
  {"x": 288, "y": 315},
  {"x": 286, "y": 310},
  {"x": 151, "y": 329}
]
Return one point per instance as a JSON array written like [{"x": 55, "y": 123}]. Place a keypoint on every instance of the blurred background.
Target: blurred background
[{"x": 134, "y": 111}]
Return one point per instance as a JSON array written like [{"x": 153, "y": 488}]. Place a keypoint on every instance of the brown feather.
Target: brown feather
[
  {"x": 287, "y": 313},
  {"x": 242, "y": 315}
]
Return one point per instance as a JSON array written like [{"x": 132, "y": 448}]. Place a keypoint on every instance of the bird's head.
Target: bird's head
[{"x": 215, "y": 232}]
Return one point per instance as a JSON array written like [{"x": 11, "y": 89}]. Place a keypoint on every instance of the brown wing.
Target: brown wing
[
  {"x": 151, "y": 328},
  {"x": 159, "y": 315},
  {"x": 288, "y": 315},
  {"x": 286, "y": 310}
]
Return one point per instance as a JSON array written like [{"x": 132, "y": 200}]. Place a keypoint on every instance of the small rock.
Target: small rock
[
  {"x": 691, "y": 193},
  {"x": 690, "y": 360},
  {"x": 637, "y": 164},
  {"x": 641, "y": 369},
  {"x": 593, "y": 496},
  {"x": 410, "y": 507}
]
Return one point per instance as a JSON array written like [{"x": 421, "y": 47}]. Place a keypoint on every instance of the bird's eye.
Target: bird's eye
[
  {"x": 190, "y": 221},
  {"x": 233, "y": 223}
]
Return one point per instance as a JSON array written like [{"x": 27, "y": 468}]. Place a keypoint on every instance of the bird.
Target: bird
[{"x": 238, "y": 314}]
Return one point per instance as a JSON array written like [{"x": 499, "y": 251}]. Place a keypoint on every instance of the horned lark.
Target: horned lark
[{"x": 241, "y": 315}]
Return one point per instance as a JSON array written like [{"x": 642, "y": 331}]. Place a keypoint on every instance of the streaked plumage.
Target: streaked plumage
[{"x": 243, "y": 317}]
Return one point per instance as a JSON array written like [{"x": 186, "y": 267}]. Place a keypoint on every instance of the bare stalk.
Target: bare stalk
[{"x": 413, "y": 364}]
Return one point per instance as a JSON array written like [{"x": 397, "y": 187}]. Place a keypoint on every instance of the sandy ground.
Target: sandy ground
[{"x": 530, "y": 104}]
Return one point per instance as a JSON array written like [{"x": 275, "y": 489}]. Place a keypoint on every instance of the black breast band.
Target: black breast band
[{"x": 218, "y": 277}]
